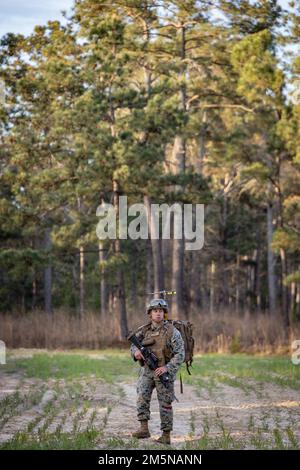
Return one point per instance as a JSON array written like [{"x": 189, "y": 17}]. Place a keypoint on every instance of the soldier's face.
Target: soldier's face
[{"x": 157, "y": 314}]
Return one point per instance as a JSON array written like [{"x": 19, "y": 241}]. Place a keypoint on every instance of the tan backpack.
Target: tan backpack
[{"x": 186, "y": 330}]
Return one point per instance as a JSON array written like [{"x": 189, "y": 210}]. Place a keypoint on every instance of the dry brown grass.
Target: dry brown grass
[{"x": 221, "y": 332}]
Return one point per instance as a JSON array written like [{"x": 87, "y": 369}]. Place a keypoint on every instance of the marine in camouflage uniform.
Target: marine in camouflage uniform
[{"x": 166, "y": 342}]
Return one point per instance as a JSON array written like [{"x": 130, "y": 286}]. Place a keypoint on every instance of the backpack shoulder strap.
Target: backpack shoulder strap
[
  {"x": 170, "y": 330},
  {"x": 142, "y": 329}
]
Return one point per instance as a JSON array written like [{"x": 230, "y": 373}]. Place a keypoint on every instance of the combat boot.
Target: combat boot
[
  {"x": 165, "y": 438},
  {"x": 143, "y": 432}
]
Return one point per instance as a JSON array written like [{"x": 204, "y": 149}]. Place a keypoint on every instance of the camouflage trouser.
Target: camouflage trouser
[{"x": 147, "y": 381}]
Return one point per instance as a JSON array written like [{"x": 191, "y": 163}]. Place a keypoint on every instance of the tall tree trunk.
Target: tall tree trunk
[
  {"x": 284, "y": 289},
  {"x": 120, "y": 294},
  {"x": 75, "y": 283},
  {"x": 223, "y": 216},
  {"x": 34, "y": 278},
  {"x": 134, "y": 281},
  {"x": 202, "y": 143},
  {"x": 156, "y": 242},
  {"x": 34, "y": 293},
  {"x": 81, "y": 266},
  {"x": 47, "y": 244},
  {"x": 212, "y": 288},
  {"x": 179, "y": 162},
  {"x": 257, "y": 283},
  {"x": 178, "y": 159},
  {"x": 196, "y": 281},
  {"x": 297, "y": 306},
  {"x": 158, "y": 266},
  {"x": 103, "y": 291},
  {"x": 271, "y": 262},
  {"x": 119, "y": 298},
  {"x": 294, "y": 308},
  {"x": 149, "y": 272},
  {"x": 23, "y": 304},
  {"x": 197, "y": 292},
  {"x": 177, "y": 277},
  {"x": 283, "y": 258},
  {"x": 237, "y": 285},
  {"x": 205, "y": 287},
  {"x": 293, "y": 300},
  {"x": 81, "y": 281}
]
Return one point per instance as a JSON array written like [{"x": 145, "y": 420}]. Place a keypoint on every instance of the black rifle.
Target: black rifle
[{"x": 150, "y": 358}]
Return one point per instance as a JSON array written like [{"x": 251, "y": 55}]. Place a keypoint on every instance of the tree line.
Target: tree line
[{"x": 162, "y": 101}]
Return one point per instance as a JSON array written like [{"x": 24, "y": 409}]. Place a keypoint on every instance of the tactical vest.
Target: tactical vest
[{"x": 158, "y": 341}]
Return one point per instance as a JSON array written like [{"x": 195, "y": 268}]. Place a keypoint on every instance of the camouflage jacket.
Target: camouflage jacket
[{"x": 176, "y": 345}]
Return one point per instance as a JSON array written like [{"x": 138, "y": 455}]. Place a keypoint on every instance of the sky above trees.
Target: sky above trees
[{"x": 17, "y": 16}]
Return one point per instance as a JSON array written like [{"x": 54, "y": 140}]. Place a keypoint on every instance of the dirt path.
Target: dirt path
[
  {"x": 228, "y": 410},
  {"x": 122, "y": 420},
  {"x": 248, "y": 415}
]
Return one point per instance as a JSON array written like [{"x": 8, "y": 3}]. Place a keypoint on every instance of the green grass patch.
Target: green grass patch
[
  {"x": 235, "y": 369},
  {"x": 54, "y": 441},
  {"x": 113, "y": 365},
  {"x": 65, "y": 365}
]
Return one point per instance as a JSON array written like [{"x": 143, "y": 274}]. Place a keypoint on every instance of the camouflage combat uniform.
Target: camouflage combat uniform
[{"x": 169, "y": 349}]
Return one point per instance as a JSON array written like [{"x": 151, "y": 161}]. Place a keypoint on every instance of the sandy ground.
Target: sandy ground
[
  {"x": 36, "y": 406},
  {"x": 228, "y": 409}
]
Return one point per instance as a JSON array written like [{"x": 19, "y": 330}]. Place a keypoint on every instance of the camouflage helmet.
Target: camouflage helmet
[{"x": 158, "y": 303}]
